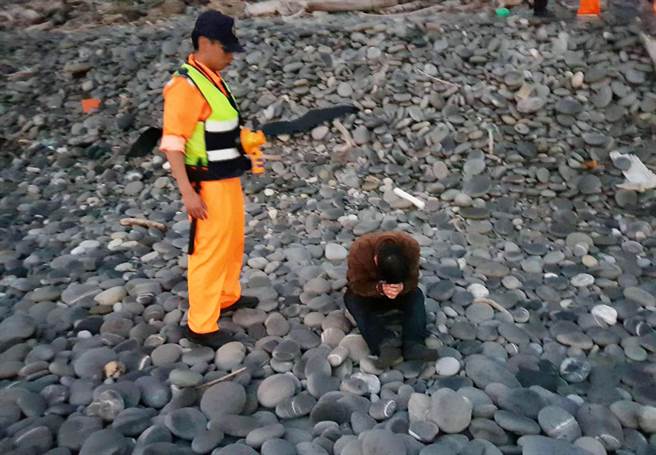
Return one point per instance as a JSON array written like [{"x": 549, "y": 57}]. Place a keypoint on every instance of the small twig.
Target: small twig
[
  {"x": 142, "y": 222},
  {"x": 222, "y": 378},
  {"x": 437, "y": 79},
  {"x": 490, "y": 141},
  {"x": 345, "y": 134}
]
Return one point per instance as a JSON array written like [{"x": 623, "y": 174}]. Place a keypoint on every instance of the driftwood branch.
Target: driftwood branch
[
  {"x": 222, "y": 378},
  {"x": 437, "y": 79},
  {"x": 143, "y": 223},
  {"x": 289, "y": 7}
]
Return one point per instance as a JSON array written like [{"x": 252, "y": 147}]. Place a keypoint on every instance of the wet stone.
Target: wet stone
[
  {"x": 450, "y": 411},
  {"x": 186, "y": 423},
  {"x": 105, "y": 441},
  {"x": 275, "y": 389},
  {"x": 558, "y": 423},
  {"x": 540, "y": 445},
  {"x": 223, "y": 398},
  {"x": 516, "y": 423}
]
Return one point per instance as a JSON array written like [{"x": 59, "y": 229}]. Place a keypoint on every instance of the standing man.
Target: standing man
[
  {"x": 201, "y": 129},
  {"x": 383, "y": 273}
]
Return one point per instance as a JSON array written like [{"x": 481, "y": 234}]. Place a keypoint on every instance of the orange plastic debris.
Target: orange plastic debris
[
  {"x": 589, "y": 8},
  {"x": 590, "y": 165},
  {"x": 90, "y": 104}
]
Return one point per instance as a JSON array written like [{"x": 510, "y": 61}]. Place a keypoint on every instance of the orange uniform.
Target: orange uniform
[{"x": 216, "y": 262}]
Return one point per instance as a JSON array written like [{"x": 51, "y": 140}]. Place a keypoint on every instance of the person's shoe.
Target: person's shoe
[
  {"x": 419, "y": 352},
  {"x": 243, "y": 302},
  {"x": 212, "y": 340},
  {"x": 387, "y": 357}
]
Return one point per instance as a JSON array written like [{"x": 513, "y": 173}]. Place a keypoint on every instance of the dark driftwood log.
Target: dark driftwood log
[{"x": 287, "y": 7}]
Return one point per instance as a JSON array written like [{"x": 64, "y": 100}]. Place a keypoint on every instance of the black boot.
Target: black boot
[
  {"x": 387, "y": 357},
  {"x": 417, "y": 351},
  {"x": 212, "y": 340},
  {"x": 243, "y": 302}
]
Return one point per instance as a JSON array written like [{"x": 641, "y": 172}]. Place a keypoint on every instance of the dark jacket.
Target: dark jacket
[{"x": 362, "y": 274}]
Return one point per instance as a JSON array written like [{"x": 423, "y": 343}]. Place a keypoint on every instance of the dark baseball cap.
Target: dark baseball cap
[{"x": 217, "y": 26}]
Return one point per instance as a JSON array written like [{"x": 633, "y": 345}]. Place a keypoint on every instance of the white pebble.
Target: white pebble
[
  {"x": 372, "y": 381},
  {"x": 582, "y": 280},
  {"x": 478, "y": 290},
  {"x": 589, "y": 261},
  {"x": 447, "y": 366},
  {"x": 577, "y": 80},
  {"x": 605, "y": 313}
]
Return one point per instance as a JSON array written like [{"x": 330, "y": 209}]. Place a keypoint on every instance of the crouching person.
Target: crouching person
[{"x": 383, "y": 273}]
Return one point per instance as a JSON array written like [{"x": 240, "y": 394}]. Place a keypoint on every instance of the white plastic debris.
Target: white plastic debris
[
  {"x": 408, "y": 197},
  {"x": 638, "y": 176}
]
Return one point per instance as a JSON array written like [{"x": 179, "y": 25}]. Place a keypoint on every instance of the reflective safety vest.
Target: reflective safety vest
[{"x": 213, "y": 151}]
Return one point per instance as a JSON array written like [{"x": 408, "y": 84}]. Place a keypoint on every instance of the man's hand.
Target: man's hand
[
  {"x": 195, "y": 206},
  {"x": 193, "y": 203},
  {"x": 392, "y": 291}
]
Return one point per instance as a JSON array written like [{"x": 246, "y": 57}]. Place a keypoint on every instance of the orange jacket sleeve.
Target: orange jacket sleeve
[{"x": 184, "y": 107}]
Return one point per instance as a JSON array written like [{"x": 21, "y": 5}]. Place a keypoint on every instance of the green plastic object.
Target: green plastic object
[{"x": 503, "y": 12}]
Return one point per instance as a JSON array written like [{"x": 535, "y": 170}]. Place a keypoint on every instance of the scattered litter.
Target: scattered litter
[
  {"x": 408, "y": 197},
  {"x": 90, "y": 104},
  {"x": 590, "y": 165},
  {"x": 638, "y": 176}
]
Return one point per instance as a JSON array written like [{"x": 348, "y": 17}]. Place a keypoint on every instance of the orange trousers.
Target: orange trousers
[{"x": 215, "y": 265}]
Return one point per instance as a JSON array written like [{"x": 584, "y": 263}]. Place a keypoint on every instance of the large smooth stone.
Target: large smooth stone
[
  {"x": 133, "y": 421},
  {"x": 382, "y": 442},
  {"x": 277, "y": 447},
  {"x": 235, "y": 449},
  {"x": 542, "y": 445},
  {"x": 91, "y": 363},
  {"x": 76, "y": 429},
  {"x": 15, "y": 328},
  {"x": 230, "y": 356},
  {"x": 599, "y": 422},
  {"x": 275, "y": 389},
  {"x": 557, "y": 423},
  {"x": 223, "y": 398},
  {"x": 185, "y": 423},
  {"x": 235, "y": 425},
  {"x": 105, "y": 442},
  {"x": 484, "y": 370},
  {"x": 451, "y": 411},
  {"x": 260, "y": 435}
]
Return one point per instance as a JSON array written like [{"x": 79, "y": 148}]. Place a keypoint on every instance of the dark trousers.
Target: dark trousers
[
  {"x": 367, "y": 312},
  {"x": 540, "y": 5}
]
